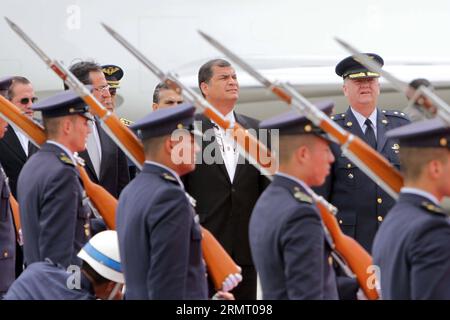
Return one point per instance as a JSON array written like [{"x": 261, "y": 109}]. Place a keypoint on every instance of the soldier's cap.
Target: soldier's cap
[
  {"x": 63, "y": 104},
  {"x": 5, "y": 83},
  {"x": 113, "y": 74},
  {"x": 434, "y": 133},
  {"x": 352, "y": 69},
  {"x": 165, "y": 120},
  {"x": 292, "y": 122}
]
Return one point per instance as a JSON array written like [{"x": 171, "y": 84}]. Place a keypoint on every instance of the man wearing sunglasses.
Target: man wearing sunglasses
[{"x": 15, "y": 147}]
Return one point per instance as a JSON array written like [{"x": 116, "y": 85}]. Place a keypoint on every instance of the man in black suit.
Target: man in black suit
[
  {"x": 15, "y": 147},
  {"x": 106, "y": 164},
  {"x": 226, "y": 190}
]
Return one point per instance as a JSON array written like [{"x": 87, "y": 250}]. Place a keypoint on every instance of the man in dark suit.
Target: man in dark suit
[
  {"x": 362, "y": 204},
  {"x": 225, "y": 187},
  {"x": 15, "y": 147},
  {"x": 54, "y": 207},
  {"x": 106, "y": 164},
  {"x": 7, "y": 233},
  {"x": 290, "y": 248},
  {"x": 159, "y": 233},
  {"x": 412, "y": 247}
]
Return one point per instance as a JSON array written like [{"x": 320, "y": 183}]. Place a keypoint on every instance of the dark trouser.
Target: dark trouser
[{"x": 246, "y": 290}]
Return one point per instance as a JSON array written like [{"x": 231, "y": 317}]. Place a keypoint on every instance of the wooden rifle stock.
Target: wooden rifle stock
[
  {"x": 16, "y": 215},
  {"x": 357, "y": 258},
  {"x": 219, "y": 263}
]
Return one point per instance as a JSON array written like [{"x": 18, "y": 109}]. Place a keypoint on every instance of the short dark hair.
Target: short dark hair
[
  {"x": 159, "y": 86},
  {"x": 15, "y": 80},
  {"x": 413, "y": 160},
  {"x": 82, "y": 69},
  {"x": 416, "y": 83},
  {"x": 98, "y": 279},
  {"x": 205, "y": 73}
]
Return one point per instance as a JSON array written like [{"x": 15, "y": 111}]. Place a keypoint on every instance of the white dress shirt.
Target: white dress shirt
[{"x": 361, "y": 119}]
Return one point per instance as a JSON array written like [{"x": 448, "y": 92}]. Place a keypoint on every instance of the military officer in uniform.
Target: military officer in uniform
[
  {"x": 362, "y": 204},
  {"x": 113, "y": 75},
  {"x": 53, "y": 205},
  {"x": 100, "y": 276},
  {"x": 7, "y": 233},
  {"x": 412, "y": 246},
  {"x": 159, "y": 232},
  {"x": 289, "y": 246}
]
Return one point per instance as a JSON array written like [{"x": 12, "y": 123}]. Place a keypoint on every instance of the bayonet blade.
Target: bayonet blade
[
  {"x": 244, "y": 65},
  {"x": 30, "y": 42},
  {"x": 135, "y": 52}
]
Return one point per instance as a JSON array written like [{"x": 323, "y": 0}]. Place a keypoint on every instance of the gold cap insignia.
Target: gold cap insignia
[{"x": 110, "y": 70}]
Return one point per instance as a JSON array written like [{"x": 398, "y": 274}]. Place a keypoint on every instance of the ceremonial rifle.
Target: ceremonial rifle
[{"x": 443, "y": 111}]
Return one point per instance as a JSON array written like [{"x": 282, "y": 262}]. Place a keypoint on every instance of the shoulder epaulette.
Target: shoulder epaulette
[
  {"x": 301, "y": 196},
  {"x": 394, "y": 113},
  {"x": 126, "y": 122},
  {"x": 338, "y": 116},
  {"x": 168, "y": 177},
  {"x": 432, "y": 208},
  {"x": 65, "y": 159}
]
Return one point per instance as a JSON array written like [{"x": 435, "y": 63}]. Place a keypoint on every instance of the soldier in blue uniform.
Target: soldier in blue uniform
[
  {"x": 289, "y": 245},
  {"x": 7, "y": 232},
  {"x": 159, "y": 232},
  {"x": 100, "y": 276},
  {"x": 362, "y": 204},
  {"x": 53, "y": 204},
  {"x": 412, "y": 247}
]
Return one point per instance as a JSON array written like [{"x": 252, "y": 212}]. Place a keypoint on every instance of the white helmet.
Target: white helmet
[{"x": 102, "y": 254}]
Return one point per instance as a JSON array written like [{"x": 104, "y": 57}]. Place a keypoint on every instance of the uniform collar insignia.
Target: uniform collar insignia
[
  {"x": 301, "y": 196},
  {"x": 432, "y": 207},
  {"x": 64, "y": 158},
  {"x": 169, "y": 177}
]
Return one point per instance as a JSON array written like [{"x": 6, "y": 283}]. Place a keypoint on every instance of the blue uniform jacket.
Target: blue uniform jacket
[
  {"x": 362, "y": 204},
  {"x": 47, "y": 281},
  {"x": 7, "y": 237},
  {"x": 289, "y": 246},
  {"x": 53, "y": 208},
  {"x": 159, "y": 240},
  {"x": 412, "y": 251}
]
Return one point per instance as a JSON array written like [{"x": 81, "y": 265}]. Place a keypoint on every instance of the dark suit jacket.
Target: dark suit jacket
[
  {"x": 54, "y": 208},
  {"x": 224, "y": 207},
  {"x": 412, "y": 251},
  {"x": 7, "y": 238},
  {"x": 289, "y": 245},
  {"x": 362, "y": 204},
  {"x": 159, "y": 239},
  {"x": 12, "y": 157},
  {"x": 114, "y": 174}
]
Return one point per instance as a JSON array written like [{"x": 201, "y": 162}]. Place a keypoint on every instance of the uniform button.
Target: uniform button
[
  {"x": 5, "y": 254},
  {"x": 379, "y": 200},
  {"x": 330, "y": 260},
  {"x": 350, "y": 175},
  {"x": 233, "y": 190},
  {"x": 349, "y": 165},
  {"x": 380, "y": 218},
  {"x": 340, "y": 221}
]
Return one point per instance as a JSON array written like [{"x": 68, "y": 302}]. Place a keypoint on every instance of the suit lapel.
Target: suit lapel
[
  {"x": 12, "y": 141},
  {"x": 88, "y": 165},
  {"x": 352, "y": 125},
  {"x": 207, "y": 125},
  {"x": 106, "y": 144}
]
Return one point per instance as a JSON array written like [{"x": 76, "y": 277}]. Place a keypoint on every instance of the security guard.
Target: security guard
[
  {"x": 289, "y": 246},
  {"x": 412, "y": 247},
  {"x": 113, "y": 75},
  {"x": 159, "y": 232},
  {"x": 53, "y": 205},
  {"x": 7, "y": 233},
  {"x": 362, "y": 204},
  {"x": 100, "y": 276}
]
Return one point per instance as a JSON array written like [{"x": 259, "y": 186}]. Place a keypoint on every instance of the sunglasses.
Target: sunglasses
[{"x": 27, "y": 100}]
